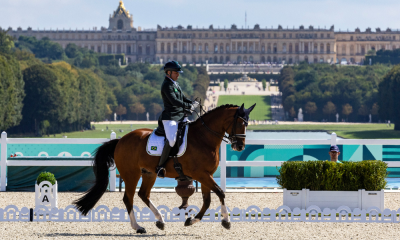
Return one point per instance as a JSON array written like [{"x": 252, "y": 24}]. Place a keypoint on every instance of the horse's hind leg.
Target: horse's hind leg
[
  {"x": 211, "y": 184},
  {"x": 130, "y": 188},
  {"x": 148, "y": 180},
  {"x": 206, "y": 204}
]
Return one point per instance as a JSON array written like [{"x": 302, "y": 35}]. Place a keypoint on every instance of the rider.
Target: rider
[{"x": 175, "y": 103}]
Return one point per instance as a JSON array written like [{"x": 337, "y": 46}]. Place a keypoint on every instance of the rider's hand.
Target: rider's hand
[{"x": 195, "y": 104}]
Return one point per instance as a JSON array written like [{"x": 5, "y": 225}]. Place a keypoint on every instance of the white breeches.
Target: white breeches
[{"x": 171, "y": 128}]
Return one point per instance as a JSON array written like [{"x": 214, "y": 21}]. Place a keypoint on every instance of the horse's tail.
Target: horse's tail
[{"x": 103, "y": 160}]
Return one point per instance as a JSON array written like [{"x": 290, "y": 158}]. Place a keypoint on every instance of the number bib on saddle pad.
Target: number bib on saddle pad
[{"x": 155, "y": 144}]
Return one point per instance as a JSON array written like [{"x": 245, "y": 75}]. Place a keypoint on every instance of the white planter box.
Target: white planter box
[
  {"x": 46, "y": 195},
  {"x": 333, "y": 199}
]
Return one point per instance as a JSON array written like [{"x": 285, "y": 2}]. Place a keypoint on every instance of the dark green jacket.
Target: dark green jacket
[{"x": 174, "y": 102}]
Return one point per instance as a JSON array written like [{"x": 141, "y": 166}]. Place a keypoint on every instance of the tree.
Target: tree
[
  {"x": 375, "y": 109},
  {"x": 155, "y": 108},
  {"x": 347, "y": 109},
  {"x": 6, "y": 42},
  {"x": 292, "y": 112},
  {"x": 137, "y": 108},
  {"x": 264, "y": 84},
  {"x": 329, "y": 109},
  {"x": 120, "y": 110},
  {"x": 311, "y": 108},
  {"x": 226, "y": 82},
  {"x": 389, "y": 97},
  {"x": 363, "y": 111},
  {"x": 72, "y": 50},
  {"x": 108, "y": 111},
  {"x": 43, "y": 98},
  {"x": 11, "y": 92}
]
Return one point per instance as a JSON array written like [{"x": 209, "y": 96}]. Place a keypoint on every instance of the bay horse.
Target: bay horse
[{"x": 199, "y": 162}]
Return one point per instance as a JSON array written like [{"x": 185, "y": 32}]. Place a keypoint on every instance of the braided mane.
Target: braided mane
[{"x": 215, "y": 109}]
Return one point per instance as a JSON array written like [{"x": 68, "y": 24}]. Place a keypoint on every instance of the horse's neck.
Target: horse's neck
[{"x": 216, "y": 122}]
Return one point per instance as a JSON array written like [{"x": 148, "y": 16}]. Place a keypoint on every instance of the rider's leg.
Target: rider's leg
[{"x": 171, "y": 128}]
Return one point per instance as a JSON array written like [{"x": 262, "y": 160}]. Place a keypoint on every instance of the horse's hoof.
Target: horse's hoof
[
  {"x": 188, "y": 222},
  {"x": 141, "y": 230},
  {"x": 226, "y": 224},
  {"x": 160, "y": 225}
]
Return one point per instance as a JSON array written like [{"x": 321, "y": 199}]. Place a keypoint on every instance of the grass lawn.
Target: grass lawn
[
  {"x": 351, "y": 131},
  {"x": 262, "y": 111},
  {"x": 102, "y": 131}
]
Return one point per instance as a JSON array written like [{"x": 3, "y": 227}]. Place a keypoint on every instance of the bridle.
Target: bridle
[{"x": 233, "y": 136}]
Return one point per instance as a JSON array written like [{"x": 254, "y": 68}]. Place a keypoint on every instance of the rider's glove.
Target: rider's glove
[{"x": 195, "y": 104}]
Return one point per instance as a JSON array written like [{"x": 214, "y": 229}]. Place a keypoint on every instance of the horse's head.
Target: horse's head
[{"x": 237, "y": 134}]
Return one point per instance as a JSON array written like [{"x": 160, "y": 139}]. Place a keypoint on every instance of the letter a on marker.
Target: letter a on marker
[{"x": 45, "y": 198}]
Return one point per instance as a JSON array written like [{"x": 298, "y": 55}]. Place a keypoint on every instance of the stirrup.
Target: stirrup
[{"x": 161, "y": 172}]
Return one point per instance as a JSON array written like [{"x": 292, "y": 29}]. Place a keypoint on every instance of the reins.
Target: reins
[{"x": 231, "y": 138}]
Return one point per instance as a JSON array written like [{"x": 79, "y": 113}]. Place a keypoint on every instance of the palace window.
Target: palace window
[
  {"x": 394, "y": 37},
  {"x": 227, "y": 35},
  {"x": 215, "y": 35},
  {"x": 148, "y": 49},
  {"x": 290, "y": 35},
  {"x": 351, "y": 38},
  {"x": 315, "y": 35},
  {"x": 169, "y": 35},
  {"x": 328, "y": 35},
  {"x": 206, "y": 35},
  {"x": 322, "y": 35},
  {"x": 263, "y": 35},
  {"x": 284, "y": 35},
  {"x": 274, "y": 35},
  {"x": 99, "y": 49},
  {"x": 162, "y": 35},
  {"x": 269, "y": 35},
  {"x": 200, "y": 35},
  {"x": 140, "y": 37},
  {"x": 120, "y": 24},
  {"x": 148, "y": 37}
]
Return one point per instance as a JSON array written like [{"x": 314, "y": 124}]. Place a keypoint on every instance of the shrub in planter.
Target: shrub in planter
[
  {"x": 330, "y": 176},
  {"x": 46, "y": 176}
]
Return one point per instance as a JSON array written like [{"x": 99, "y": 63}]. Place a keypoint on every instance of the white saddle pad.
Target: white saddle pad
[{"x": 155, "y": 144}]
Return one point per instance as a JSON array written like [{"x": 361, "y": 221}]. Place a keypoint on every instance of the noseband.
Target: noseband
[{"x": 233, "y": 136}]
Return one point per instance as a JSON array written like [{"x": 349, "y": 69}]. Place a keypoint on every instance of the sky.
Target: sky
[{"x": 86, "y": 14}]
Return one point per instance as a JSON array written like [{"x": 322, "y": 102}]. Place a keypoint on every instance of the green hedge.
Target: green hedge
[
  {"x": 331, "y": 176},
  {"x": 46, "y": 176}
]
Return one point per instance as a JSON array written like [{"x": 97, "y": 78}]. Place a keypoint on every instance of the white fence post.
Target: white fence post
[
  {"x": 3, "y": 172},
  {"x": 333, "y": 139},
  {"x": 222, "y": 165},
  {"x": 113, "y": 171}
]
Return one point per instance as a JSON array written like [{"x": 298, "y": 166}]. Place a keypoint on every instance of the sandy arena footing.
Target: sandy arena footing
[{"x": 202, "y": 230}]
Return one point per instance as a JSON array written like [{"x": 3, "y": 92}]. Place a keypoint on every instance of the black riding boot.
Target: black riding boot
[{"x": 160, "y": 170}]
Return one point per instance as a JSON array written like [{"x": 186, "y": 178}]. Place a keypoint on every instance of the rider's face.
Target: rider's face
[{"x": 174, "y": 75}]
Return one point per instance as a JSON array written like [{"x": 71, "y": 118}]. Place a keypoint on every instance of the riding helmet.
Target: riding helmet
[{"x": 173, "y": 66}]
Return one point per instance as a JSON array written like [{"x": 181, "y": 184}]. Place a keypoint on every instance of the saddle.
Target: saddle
[
  {"x": 180, "y": 135},
  {"x": 175, "y": 150}
]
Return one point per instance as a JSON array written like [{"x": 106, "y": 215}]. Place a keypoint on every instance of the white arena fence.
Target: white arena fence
[
  {"x": 224, "y": 163},
  {"x": 333, "y": 141},
  {"x": 253, "y": 213},
  {"x": 61, "y": 163}
]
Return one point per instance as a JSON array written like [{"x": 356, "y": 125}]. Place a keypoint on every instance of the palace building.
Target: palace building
[{"x": 216, "y": 45}]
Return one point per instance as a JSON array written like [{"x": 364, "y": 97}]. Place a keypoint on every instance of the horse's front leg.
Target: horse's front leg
[
  {"x": 206, "y": 204},
  {"x": 212, "y": 185}
]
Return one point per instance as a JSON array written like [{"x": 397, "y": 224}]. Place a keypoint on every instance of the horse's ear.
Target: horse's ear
[
  {"x": 241, "y": 109},
  {"x": 251, "y": 108}
]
